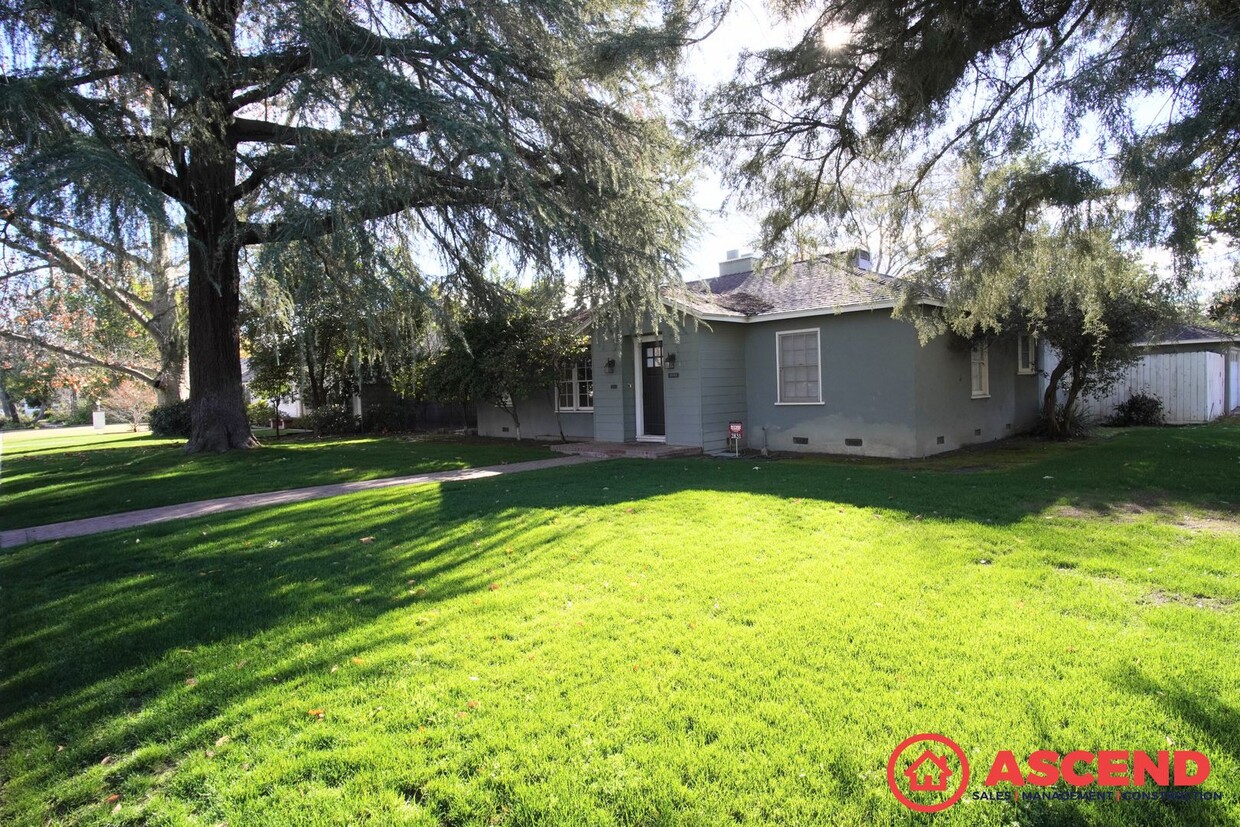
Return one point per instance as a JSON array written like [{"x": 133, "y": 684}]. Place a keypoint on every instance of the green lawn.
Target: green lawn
[
  {"x": 696, "y": 642},
  {"x": 46, "y": 477}
]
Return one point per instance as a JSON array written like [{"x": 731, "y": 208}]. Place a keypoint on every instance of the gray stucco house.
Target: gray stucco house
[{"x": 807, "y": 359}]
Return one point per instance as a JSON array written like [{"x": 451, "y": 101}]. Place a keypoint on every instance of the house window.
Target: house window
[
  {"x": 798, "y": 367},
  {"x": 981, "y": 371},
  {"x": 575, "y": 388},
  {"x": 1026, "y": 354}
]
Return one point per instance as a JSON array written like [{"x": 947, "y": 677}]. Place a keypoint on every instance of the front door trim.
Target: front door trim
[{"x": 638, "y": 341}]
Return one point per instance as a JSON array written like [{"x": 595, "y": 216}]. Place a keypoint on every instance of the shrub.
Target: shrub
[
  {"x": 1139, "y": 409},
  {"x": 171, "y": 420},
  {"x": 1071, "y": 424},
  {"x": 82, "y": 417},
  {"x": 387, "y": 419},
  {"x": 332, "y": 419},
  {"x": 259, "y": 413}
]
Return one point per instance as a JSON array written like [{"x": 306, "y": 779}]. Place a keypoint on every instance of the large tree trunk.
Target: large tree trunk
[
  {"x": 166, "y": 320},
  {"x": 7, "y": 402},
  {"x": 217, "y": 403}
]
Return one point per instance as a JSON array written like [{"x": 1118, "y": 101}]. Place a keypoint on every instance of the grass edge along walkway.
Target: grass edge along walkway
[{"x": 201, "y": 508}]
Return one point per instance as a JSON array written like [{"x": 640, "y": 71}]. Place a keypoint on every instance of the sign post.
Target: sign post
[{"x": 736, "y": 430}]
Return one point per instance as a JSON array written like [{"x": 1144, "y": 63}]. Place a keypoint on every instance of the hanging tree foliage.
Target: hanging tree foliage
[
  {"x": 1024, "y": 250},
  {"x": 485, "y": 128},
  {"x": 1152, "y": 84},
  {"x": 320, "y": 314}
]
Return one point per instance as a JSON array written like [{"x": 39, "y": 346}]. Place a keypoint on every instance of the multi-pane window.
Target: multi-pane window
[
  {"x": 653, "y": 355},
  {"x": 800, "y": 376},
  {"x": 981, "y": 371},
  {"x": 1026, "y": 354},
  {"x": 575, "y": 387}
]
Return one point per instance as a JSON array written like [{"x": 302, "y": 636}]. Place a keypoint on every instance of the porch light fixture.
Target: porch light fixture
[
  {"x": 669, "y": 361},
  {"x": 610, "y": 366}
]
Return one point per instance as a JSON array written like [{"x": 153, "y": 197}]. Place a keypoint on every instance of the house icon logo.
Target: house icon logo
[{"x": 928, "y": 772}]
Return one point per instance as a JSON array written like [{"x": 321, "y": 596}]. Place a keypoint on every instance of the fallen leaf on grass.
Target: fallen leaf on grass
[
  {"x": 317, "y": 713},
  {"x": 357, "y": 661},
  {"x": 368, "y": 539},
  {"x": 107, "y": 759},
  {"x": 222, "y": 740},
  {"x": 472, "y": 704},
  {"x": 494, "y": 587},
  {"x": 462, "y": 714},
  {"x": 113, "y": 798},
  {"x": 191, "y": 681}
]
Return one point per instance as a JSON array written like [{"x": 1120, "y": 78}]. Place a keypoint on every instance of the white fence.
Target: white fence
[
  {"x": 1233, "y": 379},
  {"x": 1193, "y": 387}
]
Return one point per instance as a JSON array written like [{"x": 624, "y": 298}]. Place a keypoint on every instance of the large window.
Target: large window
[
  {"x": 1026, "y": 354},
  {"x": 981, "y": 371},
  {"x": 575, "y": 388},
  {"x": 798, "y": 367}
]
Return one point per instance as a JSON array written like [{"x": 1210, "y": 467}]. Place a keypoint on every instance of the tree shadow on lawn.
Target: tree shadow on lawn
[
  {"x": 1161, "y": 468},
  {"x": 117, "y": 643},
  {"x": 125, "y": 639}
]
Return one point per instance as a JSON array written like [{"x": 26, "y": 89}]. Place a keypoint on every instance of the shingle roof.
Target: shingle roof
[
  {"x": 816, "y": 284},
  {"x": 1193, "y": 333}
]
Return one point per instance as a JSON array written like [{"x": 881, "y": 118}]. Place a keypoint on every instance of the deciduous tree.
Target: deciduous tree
[
  {"x": 507, "y": 351},
  {"x": 95, "y": 297},
  {"x": 1011, "y": 264}
]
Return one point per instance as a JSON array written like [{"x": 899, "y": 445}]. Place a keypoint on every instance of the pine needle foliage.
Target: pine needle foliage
[
  {"x": 1141, "y": 95},
  {"x": 515, "y": 130}
]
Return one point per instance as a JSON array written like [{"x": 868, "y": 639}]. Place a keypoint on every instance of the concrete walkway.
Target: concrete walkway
[{"x": 203, "y": 508}]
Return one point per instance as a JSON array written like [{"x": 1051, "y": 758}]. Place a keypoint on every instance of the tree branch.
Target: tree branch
[{"x": 83, "y": 358}]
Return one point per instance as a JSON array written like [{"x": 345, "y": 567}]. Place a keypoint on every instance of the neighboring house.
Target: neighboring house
[
  {"x": 1195, "y": 371},
  {"x": 288, "y": 407},
  {"x": 808, "y": 358}
]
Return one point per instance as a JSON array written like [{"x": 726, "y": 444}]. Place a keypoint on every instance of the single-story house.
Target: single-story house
[
  {"x": 805, "y": 358},
  {"x": 1194, "y": 370}
]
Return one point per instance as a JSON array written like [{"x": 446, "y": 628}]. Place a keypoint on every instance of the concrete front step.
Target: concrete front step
[{"x": 640, "y": 450}]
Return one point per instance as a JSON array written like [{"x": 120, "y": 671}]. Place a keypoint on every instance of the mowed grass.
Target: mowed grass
[
  {"x": 694, "y": 642},
  {"x": 46, "y": 477}
]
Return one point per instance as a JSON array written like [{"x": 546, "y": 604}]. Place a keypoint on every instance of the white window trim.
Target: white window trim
[
  {"x": 1031, "y": 368},
  {"x": 639, "y": 390},
  {"x": 779, "y": 381},
  {"x": 984, "y": 393},
  {"x": 576, "y": 380}
]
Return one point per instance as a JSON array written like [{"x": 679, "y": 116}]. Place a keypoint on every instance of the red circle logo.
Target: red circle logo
[{"x": 931, "y": 772}]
